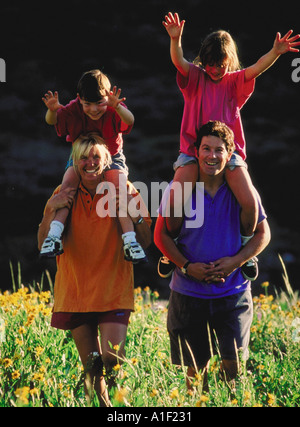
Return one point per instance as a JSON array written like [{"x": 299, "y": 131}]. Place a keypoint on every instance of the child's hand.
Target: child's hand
[
  {"x": 173, "y": 25},
  {"x": 63, "y": 199},
  {"x": 51, "y": 101},
  {"x": 113, "y": 98},
  {"x": 285, "y": 44}
]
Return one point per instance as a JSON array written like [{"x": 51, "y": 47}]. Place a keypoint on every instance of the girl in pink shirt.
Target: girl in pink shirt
[{"x": 214, "y": 88}]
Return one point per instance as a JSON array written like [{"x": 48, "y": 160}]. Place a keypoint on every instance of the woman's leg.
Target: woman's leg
[
  {"x": 87, "y": 343},
  {"x": 113, "y": 337}
]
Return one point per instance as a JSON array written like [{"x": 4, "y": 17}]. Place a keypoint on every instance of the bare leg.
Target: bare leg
[
  {"x": 179, "y": 194},
  {"x": 114, "y": 333},
  {"x": 87, "y": 343},
  {"x": 70, "y": 180},
  {"x": 133, "y": 251},
  {"x": 113, "y": 176},
  {"x": 241, "y": 185}
]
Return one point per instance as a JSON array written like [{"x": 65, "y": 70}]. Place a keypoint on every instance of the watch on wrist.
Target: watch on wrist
[
  {"x": 184, "y": 268},
  {"x": 140, "y": 221}
]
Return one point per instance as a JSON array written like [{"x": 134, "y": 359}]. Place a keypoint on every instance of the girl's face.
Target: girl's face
[{"x": 217, "y": 71}]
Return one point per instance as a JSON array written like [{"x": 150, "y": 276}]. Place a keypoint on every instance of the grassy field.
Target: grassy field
[{"x": 39, "y": 366}]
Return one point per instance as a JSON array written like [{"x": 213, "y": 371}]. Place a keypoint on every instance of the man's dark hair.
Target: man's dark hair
[{"x": 218, "y": 129}]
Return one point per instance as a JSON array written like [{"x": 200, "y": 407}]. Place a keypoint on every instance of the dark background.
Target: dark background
[{"x": 49, "y": 46}]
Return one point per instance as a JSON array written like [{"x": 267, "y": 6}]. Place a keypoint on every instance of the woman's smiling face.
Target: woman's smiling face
[{"x": 90, "y": 166}]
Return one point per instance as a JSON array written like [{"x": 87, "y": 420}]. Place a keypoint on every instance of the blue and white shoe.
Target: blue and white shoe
[
  {"x": 51, "y": 247},
  {"x": 134, "y": 252}
]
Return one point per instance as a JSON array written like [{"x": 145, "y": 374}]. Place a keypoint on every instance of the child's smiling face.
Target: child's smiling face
[
  {"x": 94, "y": 110},
  {"x": 217, "y": 71}
]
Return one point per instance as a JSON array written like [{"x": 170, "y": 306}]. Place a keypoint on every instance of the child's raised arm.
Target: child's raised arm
[
  {"x": 114, "y": 101},
  {"x": 281, "y": 45},
  {"x": 174, "y": 27},
  {"x": 52, "y": 103}
]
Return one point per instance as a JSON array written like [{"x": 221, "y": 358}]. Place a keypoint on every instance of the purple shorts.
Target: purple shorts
[{"x": 63, "y": 320}]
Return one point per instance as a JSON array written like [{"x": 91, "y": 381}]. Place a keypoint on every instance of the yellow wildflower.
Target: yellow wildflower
[
  {"x": 271, "y": 399},
  {"x": 33, "y": 391},
  {"x": 247, "y": 396},
  {"x": 22, "y": 330},
  {"x": 39, "y": 350},
  {"x": 22, "y": 395},
  {"x": 120, "y": 395},
  {"x": 154, "y": 392},
  {"x": 15, "y": 375},
  {"x": 174, "y": 393},
  {"x": 38, "y": 376},
  {"x": 7, "y": 362},
  {"x": 265, "y": 284}
]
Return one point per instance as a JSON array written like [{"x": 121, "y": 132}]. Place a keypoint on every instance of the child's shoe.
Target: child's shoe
[
  {"x": 134, "y": 252},
  {"x": 51, "y": 247},
  {"x": 250, "y": 269},
  {"x": 165, "y": 267}
]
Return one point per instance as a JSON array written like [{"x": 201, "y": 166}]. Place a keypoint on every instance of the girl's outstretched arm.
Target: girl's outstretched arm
[
  {"x": 281, "y": 45},
  {"x": 174, "y": 27}
]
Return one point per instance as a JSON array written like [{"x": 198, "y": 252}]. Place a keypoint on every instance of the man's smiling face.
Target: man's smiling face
[{"x": 213, "y": 155}]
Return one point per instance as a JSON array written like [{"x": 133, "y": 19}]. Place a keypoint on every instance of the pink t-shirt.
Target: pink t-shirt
[
  {"x": 206, "y": 100},
  {"x": 72, "y": 122}
]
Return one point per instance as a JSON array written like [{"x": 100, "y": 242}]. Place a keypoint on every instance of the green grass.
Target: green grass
[{"x": 39, "y": 365}]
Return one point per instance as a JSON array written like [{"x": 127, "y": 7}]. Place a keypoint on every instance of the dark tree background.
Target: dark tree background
[{"x": 48, "y": 45}]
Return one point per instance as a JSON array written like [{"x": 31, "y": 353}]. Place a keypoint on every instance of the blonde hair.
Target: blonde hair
[
  {"x": 83, "y": 145},
  {"x": 218, "y": 47}
]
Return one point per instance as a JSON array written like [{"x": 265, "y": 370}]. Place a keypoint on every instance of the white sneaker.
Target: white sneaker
[
  {"x": 51, "y": 247},
  {"x": 134, "y": 252}
]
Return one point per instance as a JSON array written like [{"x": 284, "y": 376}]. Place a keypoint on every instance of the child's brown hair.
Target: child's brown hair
[
  {"x": 217, "y": 48},
  {"x": 93, "y": 86}
]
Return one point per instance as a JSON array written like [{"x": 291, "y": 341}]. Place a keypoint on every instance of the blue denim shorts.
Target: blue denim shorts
[
  {"x": 183, "y": 160},
  {"x": 229, "y": 319},
  {"x": 118, "y": 162},
  {"x": 236, "y": 161}
]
